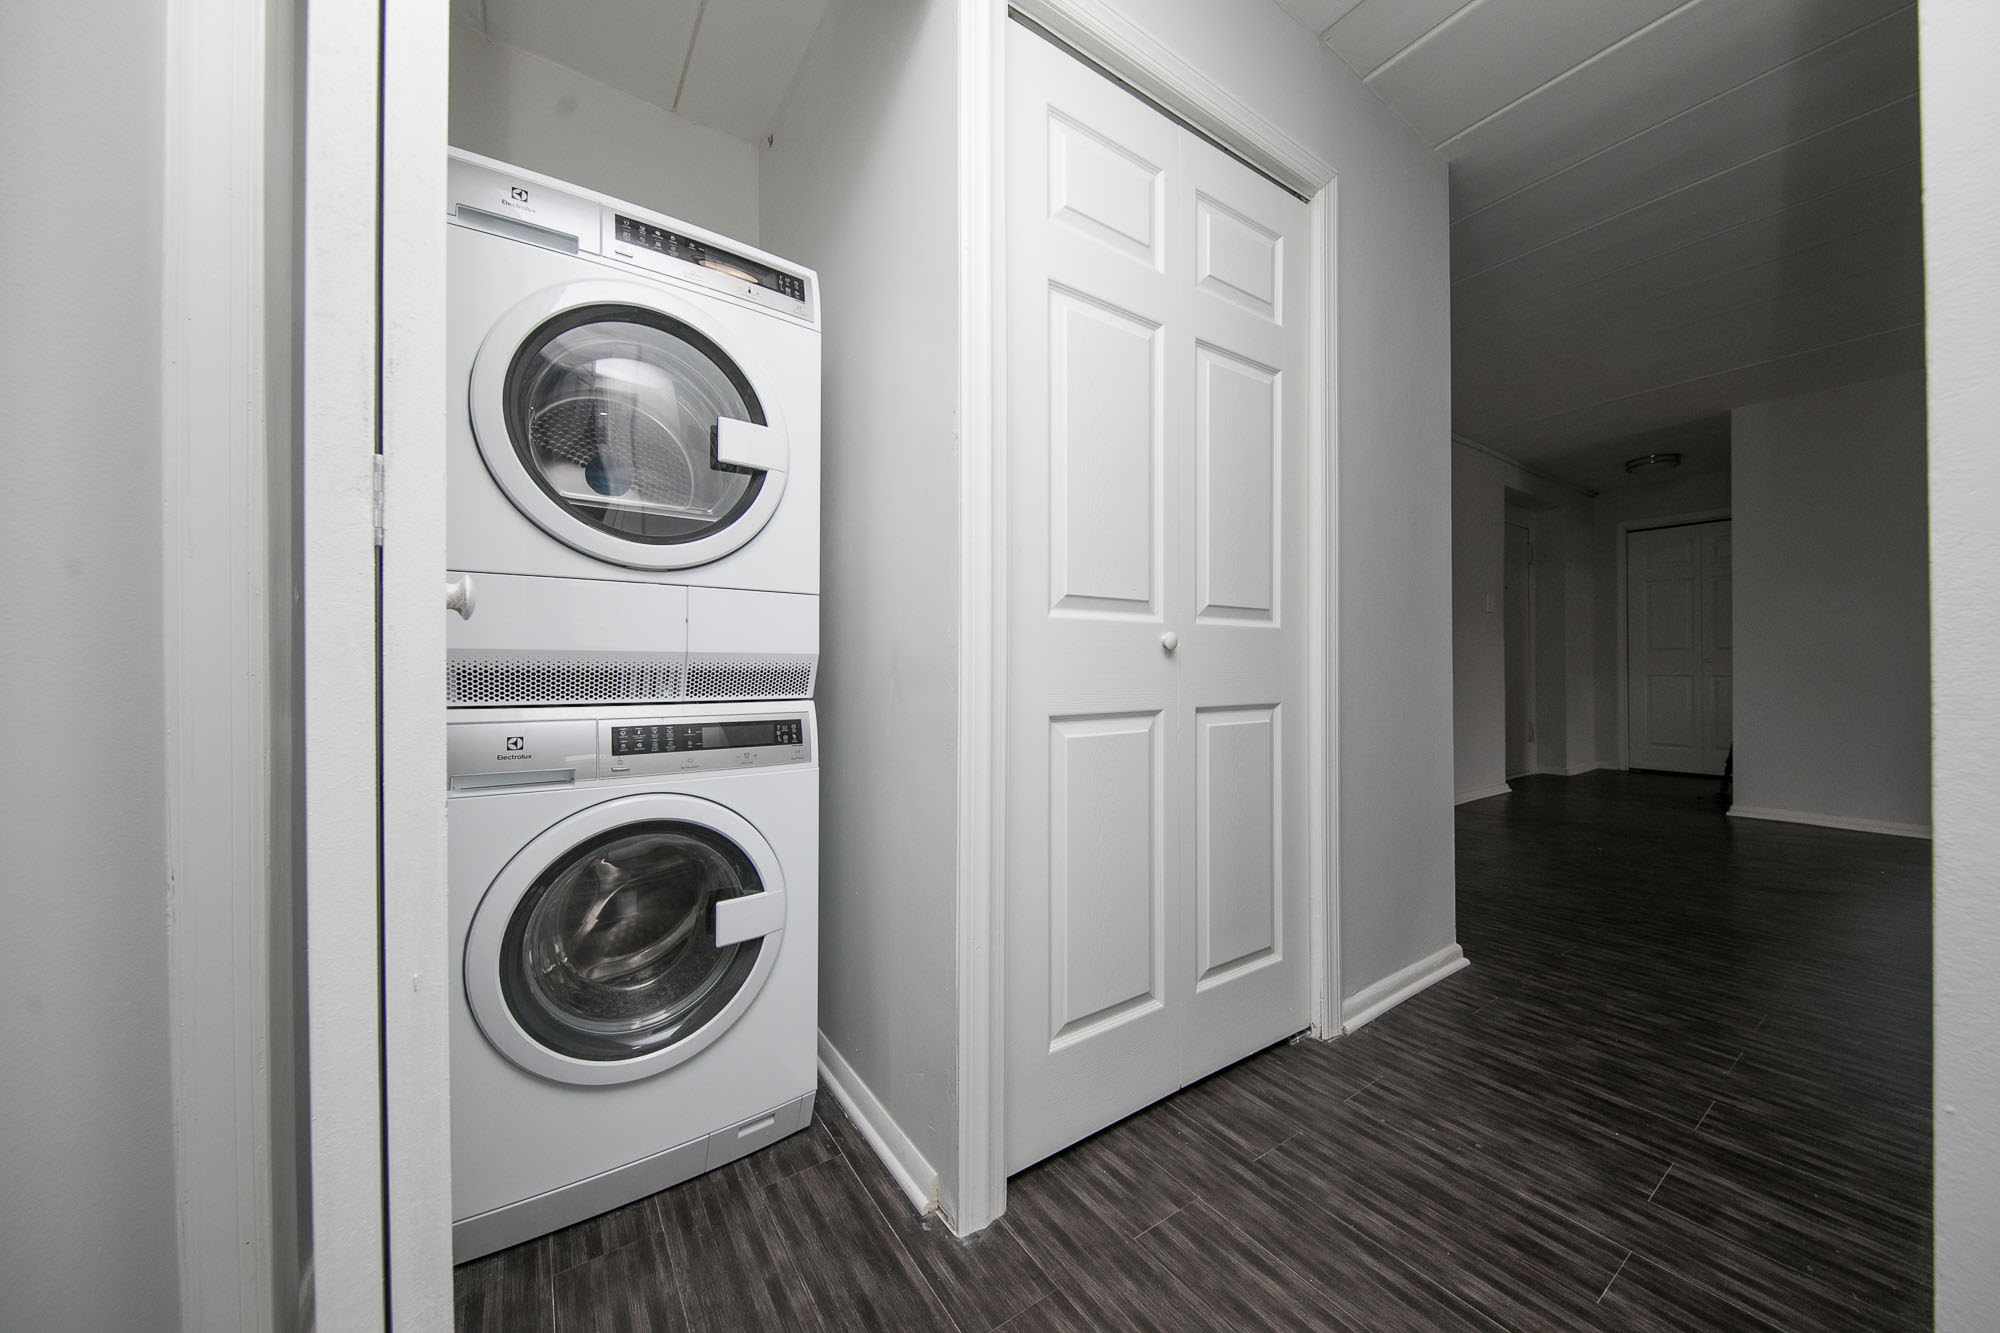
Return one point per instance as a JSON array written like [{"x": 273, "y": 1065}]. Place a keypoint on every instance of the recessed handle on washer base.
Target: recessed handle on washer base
[
  {"x": 460, "y": 596},
  {"x": 745, "y": 918}
]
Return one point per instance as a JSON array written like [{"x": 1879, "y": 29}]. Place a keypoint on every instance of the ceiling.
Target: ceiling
[
  {"x": 1661, "y": 209},
  {"x": 726, "y": 64}
]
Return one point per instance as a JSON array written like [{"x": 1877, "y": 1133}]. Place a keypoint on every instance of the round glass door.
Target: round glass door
[
  {"x": 599, "y": 407},
  {"x": 613, "y": 412},
  {"x": 610, "y": 954}
]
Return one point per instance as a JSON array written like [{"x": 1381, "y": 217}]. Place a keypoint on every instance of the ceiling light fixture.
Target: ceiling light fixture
[{"x": 1653, "y": 463}]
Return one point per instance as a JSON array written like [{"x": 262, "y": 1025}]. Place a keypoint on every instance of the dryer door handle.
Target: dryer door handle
[
  {"x": 747, "y": 444},
  {"x": 745, "y": 918}
]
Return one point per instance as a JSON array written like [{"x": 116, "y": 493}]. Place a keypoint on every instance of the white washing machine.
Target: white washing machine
[
  {"x": 634, "y": 453},
  {"x": 634, "y": 894}
]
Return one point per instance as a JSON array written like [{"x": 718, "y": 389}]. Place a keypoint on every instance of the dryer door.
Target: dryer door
[
  {"x": 623, "y": 428},
  {"x": 625, "y": 939}
]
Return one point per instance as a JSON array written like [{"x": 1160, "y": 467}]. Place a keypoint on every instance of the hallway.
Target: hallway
[{"x": 1684, "y": 1085}]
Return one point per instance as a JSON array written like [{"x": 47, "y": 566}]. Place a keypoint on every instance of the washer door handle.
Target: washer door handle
[
  {"x": 747, "y": 444},
  {"x": 745, "y": 918}
]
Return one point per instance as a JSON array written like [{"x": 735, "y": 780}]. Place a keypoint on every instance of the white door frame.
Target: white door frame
[
  {"x": 371, "y": 390},
  {"x": 337, "y": 386},
  {"x": 221, "y": 410},
  {"x": 1113, "y": 41},
  {"x": 1626, "y": 528},
  {"x": 418, "y": 961}
]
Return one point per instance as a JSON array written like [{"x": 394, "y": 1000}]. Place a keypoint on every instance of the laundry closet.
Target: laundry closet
[{"x": 1132, "y": 436}]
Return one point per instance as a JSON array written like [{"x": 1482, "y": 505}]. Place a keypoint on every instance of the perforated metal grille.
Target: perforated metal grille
[
  {"x": 561, "y": 678},
  {"x": 750, "y": 677}
]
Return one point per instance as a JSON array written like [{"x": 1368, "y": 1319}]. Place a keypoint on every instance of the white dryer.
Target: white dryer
[
  {"x": 634, "y": 453},
  {"x": 634, "y": 897}
]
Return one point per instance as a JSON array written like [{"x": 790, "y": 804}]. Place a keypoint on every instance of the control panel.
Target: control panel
[
  {"x": 642, "y": 235},
  {"x": 706, "y": 745},
  {"x": 690, "y": 737}
]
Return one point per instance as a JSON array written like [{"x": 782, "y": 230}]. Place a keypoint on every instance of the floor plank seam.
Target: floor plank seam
[
  {"x": 1134, "y": 1237},
  {"x": 1276, "y": 1146},
  {"x": 1614, "y": 1277},
  {"x": 1662, "y": 1180}
]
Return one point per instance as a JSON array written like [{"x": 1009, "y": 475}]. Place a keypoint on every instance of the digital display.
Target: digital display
[
  {"x": 673, "y": 245},
  {"x": 686, "y": 737}
]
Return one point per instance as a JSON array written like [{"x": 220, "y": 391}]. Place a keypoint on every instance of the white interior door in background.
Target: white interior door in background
[
  {"x": 1157, "y": 914},
  {"x": 1517, "y": 633},
  {"x": 1678, "y": 659}
]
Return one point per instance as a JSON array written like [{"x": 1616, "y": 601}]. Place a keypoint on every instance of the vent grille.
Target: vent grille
[
  {"x": 561, "y": 678},
  {"x": 750, "y": 677}
]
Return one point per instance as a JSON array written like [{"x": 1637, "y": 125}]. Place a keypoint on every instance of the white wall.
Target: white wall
[
  {"x": 1961, "y": 119},
  {"x": 1483, "y": 489},
  {"x": 861, "y": 184},
  {"x": 1641, "y": 501},
  {"x": 1398, "y": 892},
  {"x": 534, "y": 113},
  {"x": 1832, "y": 622},
  {"x": 87, "y": 1232}
]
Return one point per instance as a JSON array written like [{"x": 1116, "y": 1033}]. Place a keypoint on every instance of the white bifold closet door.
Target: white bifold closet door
[
  {"x": 1680, "y": 662},
  {"x": 1156, "y": 422}
]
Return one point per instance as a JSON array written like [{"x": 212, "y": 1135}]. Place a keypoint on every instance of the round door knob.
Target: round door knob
[
  {"x": 1170, "y": 641},
  {"x": 459, "y": 596}
]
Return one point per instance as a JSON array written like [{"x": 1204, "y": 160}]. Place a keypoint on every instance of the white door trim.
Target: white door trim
[
  {"x": 1626, "y": 528},
  {"x": 978, "y": 1194},
  {"x": 1093, "y": 27},
  {"x": 418, "y": 966},
  {"x": 1323, "y": 591},
  {"x": 343, "y": 929},
  {"x": 219, "y": 619}
]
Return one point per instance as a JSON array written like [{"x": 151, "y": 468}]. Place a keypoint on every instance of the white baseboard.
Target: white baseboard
[
  {"x": 1574, "y": 770},
  {"x": 918, "y": 1177},
  {"x": 1372, "y": 1002},
  {"x": 1831, "y": 821},
  {"x": 1482, "y": 793}
]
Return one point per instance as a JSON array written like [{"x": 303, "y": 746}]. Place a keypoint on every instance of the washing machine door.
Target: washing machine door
[
  {"x": 625, "y": 939},
  {"x": 612, "y": 416}
]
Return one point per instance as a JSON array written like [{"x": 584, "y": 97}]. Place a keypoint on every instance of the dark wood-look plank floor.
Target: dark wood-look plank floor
[{"x": 1684, "y": 1085}]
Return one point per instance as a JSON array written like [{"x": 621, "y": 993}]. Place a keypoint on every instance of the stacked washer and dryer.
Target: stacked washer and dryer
[{"x": 633, "y": 537}]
